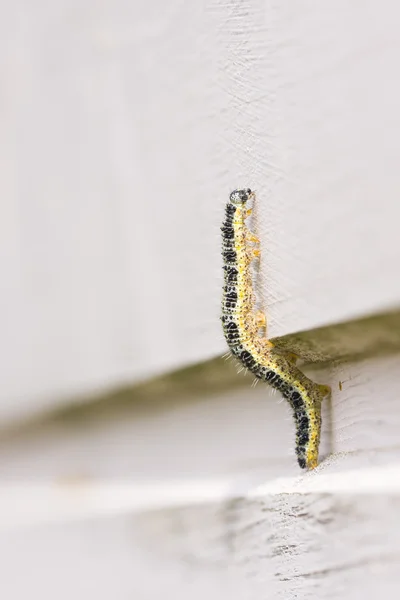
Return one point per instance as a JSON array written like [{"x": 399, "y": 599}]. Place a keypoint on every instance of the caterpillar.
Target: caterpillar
[{"x": 241, "y": 323}]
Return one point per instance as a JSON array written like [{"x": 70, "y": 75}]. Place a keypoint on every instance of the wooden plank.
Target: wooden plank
[
  {"x": 118, "y": 160},
  {"x": 318, "y": 536},
  {"x": 327, "y": 189},
  {"x": 244, "y": 431},
  {"x": 80, "y": 499},
  {"x": 311, "y": 545},
  {"x": 206, "y": 493}
]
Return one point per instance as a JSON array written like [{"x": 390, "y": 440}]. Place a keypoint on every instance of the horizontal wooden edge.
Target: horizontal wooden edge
[
  {"x": 27, "y": 504},
  {"x": 370, "y": 336}
]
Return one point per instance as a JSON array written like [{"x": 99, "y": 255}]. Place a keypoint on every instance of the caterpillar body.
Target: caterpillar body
[{"x": 241, "y": 324}]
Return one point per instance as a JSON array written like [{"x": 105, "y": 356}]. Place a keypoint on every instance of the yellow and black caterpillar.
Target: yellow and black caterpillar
[{"x": 241, "y": 324}]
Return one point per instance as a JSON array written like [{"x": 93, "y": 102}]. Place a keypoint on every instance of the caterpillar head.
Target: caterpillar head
[{"x": 241, "y": 196}]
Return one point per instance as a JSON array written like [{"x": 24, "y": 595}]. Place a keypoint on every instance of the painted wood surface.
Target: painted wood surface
[
  {"x": 302, "y": 547},
  {"x": 125, "y": 126},
  {"x": 242, "y": 431},
  {"x": 204, "y": 497}
]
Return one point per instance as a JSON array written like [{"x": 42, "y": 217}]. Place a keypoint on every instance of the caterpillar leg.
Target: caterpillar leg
[
  {"x": 268, "y": 345},
  {"x": 250, "y": 237},
  {"x": 292, "y": 357},
  {"x": 325, "y": 390},
  {"x": 261, "y": 320}
]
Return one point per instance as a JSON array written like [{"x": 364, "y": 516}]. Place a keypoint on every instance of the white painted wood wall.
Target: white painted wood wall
[{"x": 123, "y": 128}]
